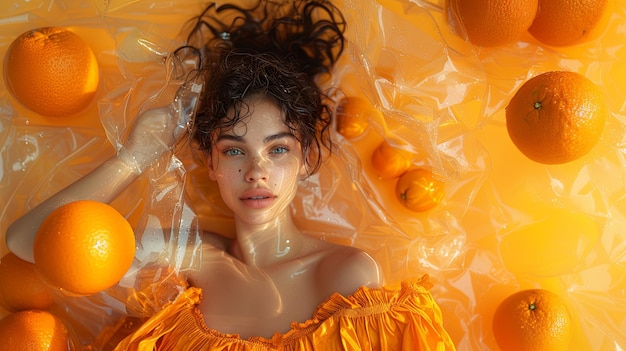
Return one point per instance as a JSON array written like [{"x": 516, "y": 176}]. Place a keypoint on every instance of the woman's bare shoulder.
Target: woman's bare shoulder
[
  {"x": 215, "y": 241},
  {"x": 345, "y": 269}
]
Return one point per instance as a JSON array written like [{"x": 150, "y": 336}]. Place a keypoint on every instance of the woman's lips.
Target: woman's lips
[{"x": 257, "y": 198}]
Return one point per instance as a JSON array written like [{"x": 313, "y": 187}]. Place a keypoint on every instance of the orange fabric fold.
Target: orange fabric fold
[{"x": 370, "y": 319}]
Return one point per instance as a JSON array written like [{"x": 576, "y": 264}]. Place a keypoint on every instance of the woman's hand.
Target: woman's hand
[
  {"x": 158, "y": 130},
  {"x": 155, "y": 132}
]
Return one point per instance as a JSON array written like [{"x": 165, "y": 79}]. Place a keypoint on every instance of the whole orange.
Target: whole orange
[
  {"x": 419, "y": 191},
  {"x": 21, "y": 288},
  {"x": 569, "y": 22},
  {"x": 532, "y": 320},
  {"x": 84, "y": 247},
  {"x": 34, "y": 331},
  {"x": 494, "y": 22},
  {"x": 51, "y": 71},
  {"x": 352, "y": 116},
  {"x": 556, "y": 117},
  {"x": 390, "y": 162}
]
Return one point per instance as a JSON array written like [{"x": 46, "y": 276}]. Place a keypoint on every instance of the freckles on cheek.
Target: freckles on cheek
[{"x": 285, "y": 181}]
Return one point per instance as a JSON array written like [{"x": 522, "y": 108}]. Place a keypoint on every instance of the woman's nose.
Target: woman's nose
[{"x": 256, "y": 169}]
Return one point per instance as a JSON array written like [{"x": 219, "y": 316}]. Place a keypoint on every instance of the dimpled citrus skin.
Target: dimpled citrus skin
[
  {"x": 84, "y": 247},
  {"x": 21, "y": 288},
  {"x": 33, "y": 331},
  {"x": 419, "y": 191},
  {"x": 390, "y": 162},
  {"x": 569, "y": 22},
  {"x": 352, "y": 116},
  {"x": 52, "y": 71},
  {"x": 533, "y": 320},
  {"x": 492, "y": 23},
  {"x": 556, "y": 117}
]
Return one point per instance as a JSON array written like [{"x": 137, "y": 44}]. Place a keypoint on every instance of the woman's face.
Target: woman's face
[{"x": 257, "y": 164}]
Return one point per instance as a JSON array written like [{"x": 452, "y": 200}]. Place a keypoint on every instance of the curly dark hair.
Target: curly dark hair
[{"x": 276, "y": 48}]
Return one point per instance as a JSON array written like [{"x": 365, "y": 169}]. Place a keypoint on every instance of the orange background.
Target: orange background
[{"x": 506, "y": 223}]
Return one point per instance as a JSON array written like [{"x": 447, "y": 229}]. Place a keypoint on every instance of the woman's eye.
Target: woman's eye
[
  {"x": 279, "y": 150},
  {"x": 232, "y": 152}
]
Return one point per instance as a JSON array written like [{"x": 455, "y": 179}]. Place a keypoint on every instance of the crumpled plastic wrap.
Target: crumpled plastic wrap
[{"x": 505, "y": 224}]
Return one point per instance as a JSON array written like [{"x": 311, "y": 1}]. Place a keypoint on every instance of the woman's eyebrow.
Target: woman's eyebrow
[
  {"x": 230, "y": 137},
  {"x": 273, "y": 137},
  {"x": 267, "y": 139}
]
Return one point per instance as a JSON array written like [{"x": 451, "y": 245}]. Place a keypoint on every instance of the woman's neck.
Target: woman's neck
[{"x": 267, "y": 244}]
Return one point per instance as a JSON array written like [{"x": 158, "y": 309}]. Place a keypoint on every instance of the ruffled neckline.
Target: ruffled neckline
[{"x": 364, "y": 301}]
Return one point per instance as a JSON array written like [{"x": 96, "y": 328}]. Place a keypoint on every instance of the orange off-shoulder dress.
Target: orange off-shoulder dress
[{"x": 407, "y": 318}]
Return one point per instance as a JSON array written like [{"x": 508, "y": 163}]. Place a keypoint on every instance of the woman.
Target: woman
[{"x": 263, "y": 125}]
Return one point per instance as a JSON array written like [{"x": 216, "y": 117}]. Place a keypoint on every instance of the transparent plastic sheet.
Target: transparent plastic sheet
[
  {"x": 506, "y": 223},
  {"x": 42, "y": 155}
]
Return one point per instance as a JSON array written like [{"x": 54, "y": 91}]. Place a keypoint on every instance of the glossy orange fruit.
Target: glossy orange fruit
[
  {"x": 34, "y": 331},
  {"x": 494, "y": 22},
  {"x": 533, "y": 320},
  {"x": 556, "y": 117},
  {"x": 84, "y": 247},
  {"x": 569, "y": 22},
  {"x": 390, "y": 162},
  {"x": 21, "y": 288},
  {"x": 419, "y": 191},
  {"x": 353, "y": 114},
  {"x": 52, "y": 71}
]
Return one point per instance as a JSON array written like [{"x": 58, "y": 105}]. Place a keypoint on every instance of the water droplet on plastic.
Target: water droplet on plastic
[{"x": 19, "y": 165}]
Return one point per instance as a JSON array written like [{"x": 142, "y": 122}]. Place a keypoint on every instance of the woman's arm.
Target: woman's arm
[
  {"x": 103, "y": 184},
  {"x": 154, "y": 133}
]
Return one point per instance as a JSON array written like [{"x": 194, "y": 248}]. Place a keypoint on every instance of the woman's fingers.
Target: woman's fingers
[
  {"x": 184, "y": 106},
  {"x": 158, "y": 130}
]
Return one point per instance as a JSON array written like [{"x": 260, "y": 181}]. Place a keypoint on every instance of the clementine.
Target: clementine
[
  {"x": 21, "y": 287},
  {"x": 352, "y": 116},
  {"x": 556, "y": 117},
  {"x": 532, "y": 320},
  {"x": 84, "y": 247},
  {"x": 51, "y": 71},
  {"x": 419, "y": 191},
  {"x": 34, "y": 330},
  {"x": 569, "y": 22},
  {"x": 494, "y": 22},
  {"x": 390, "y": 162}
]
